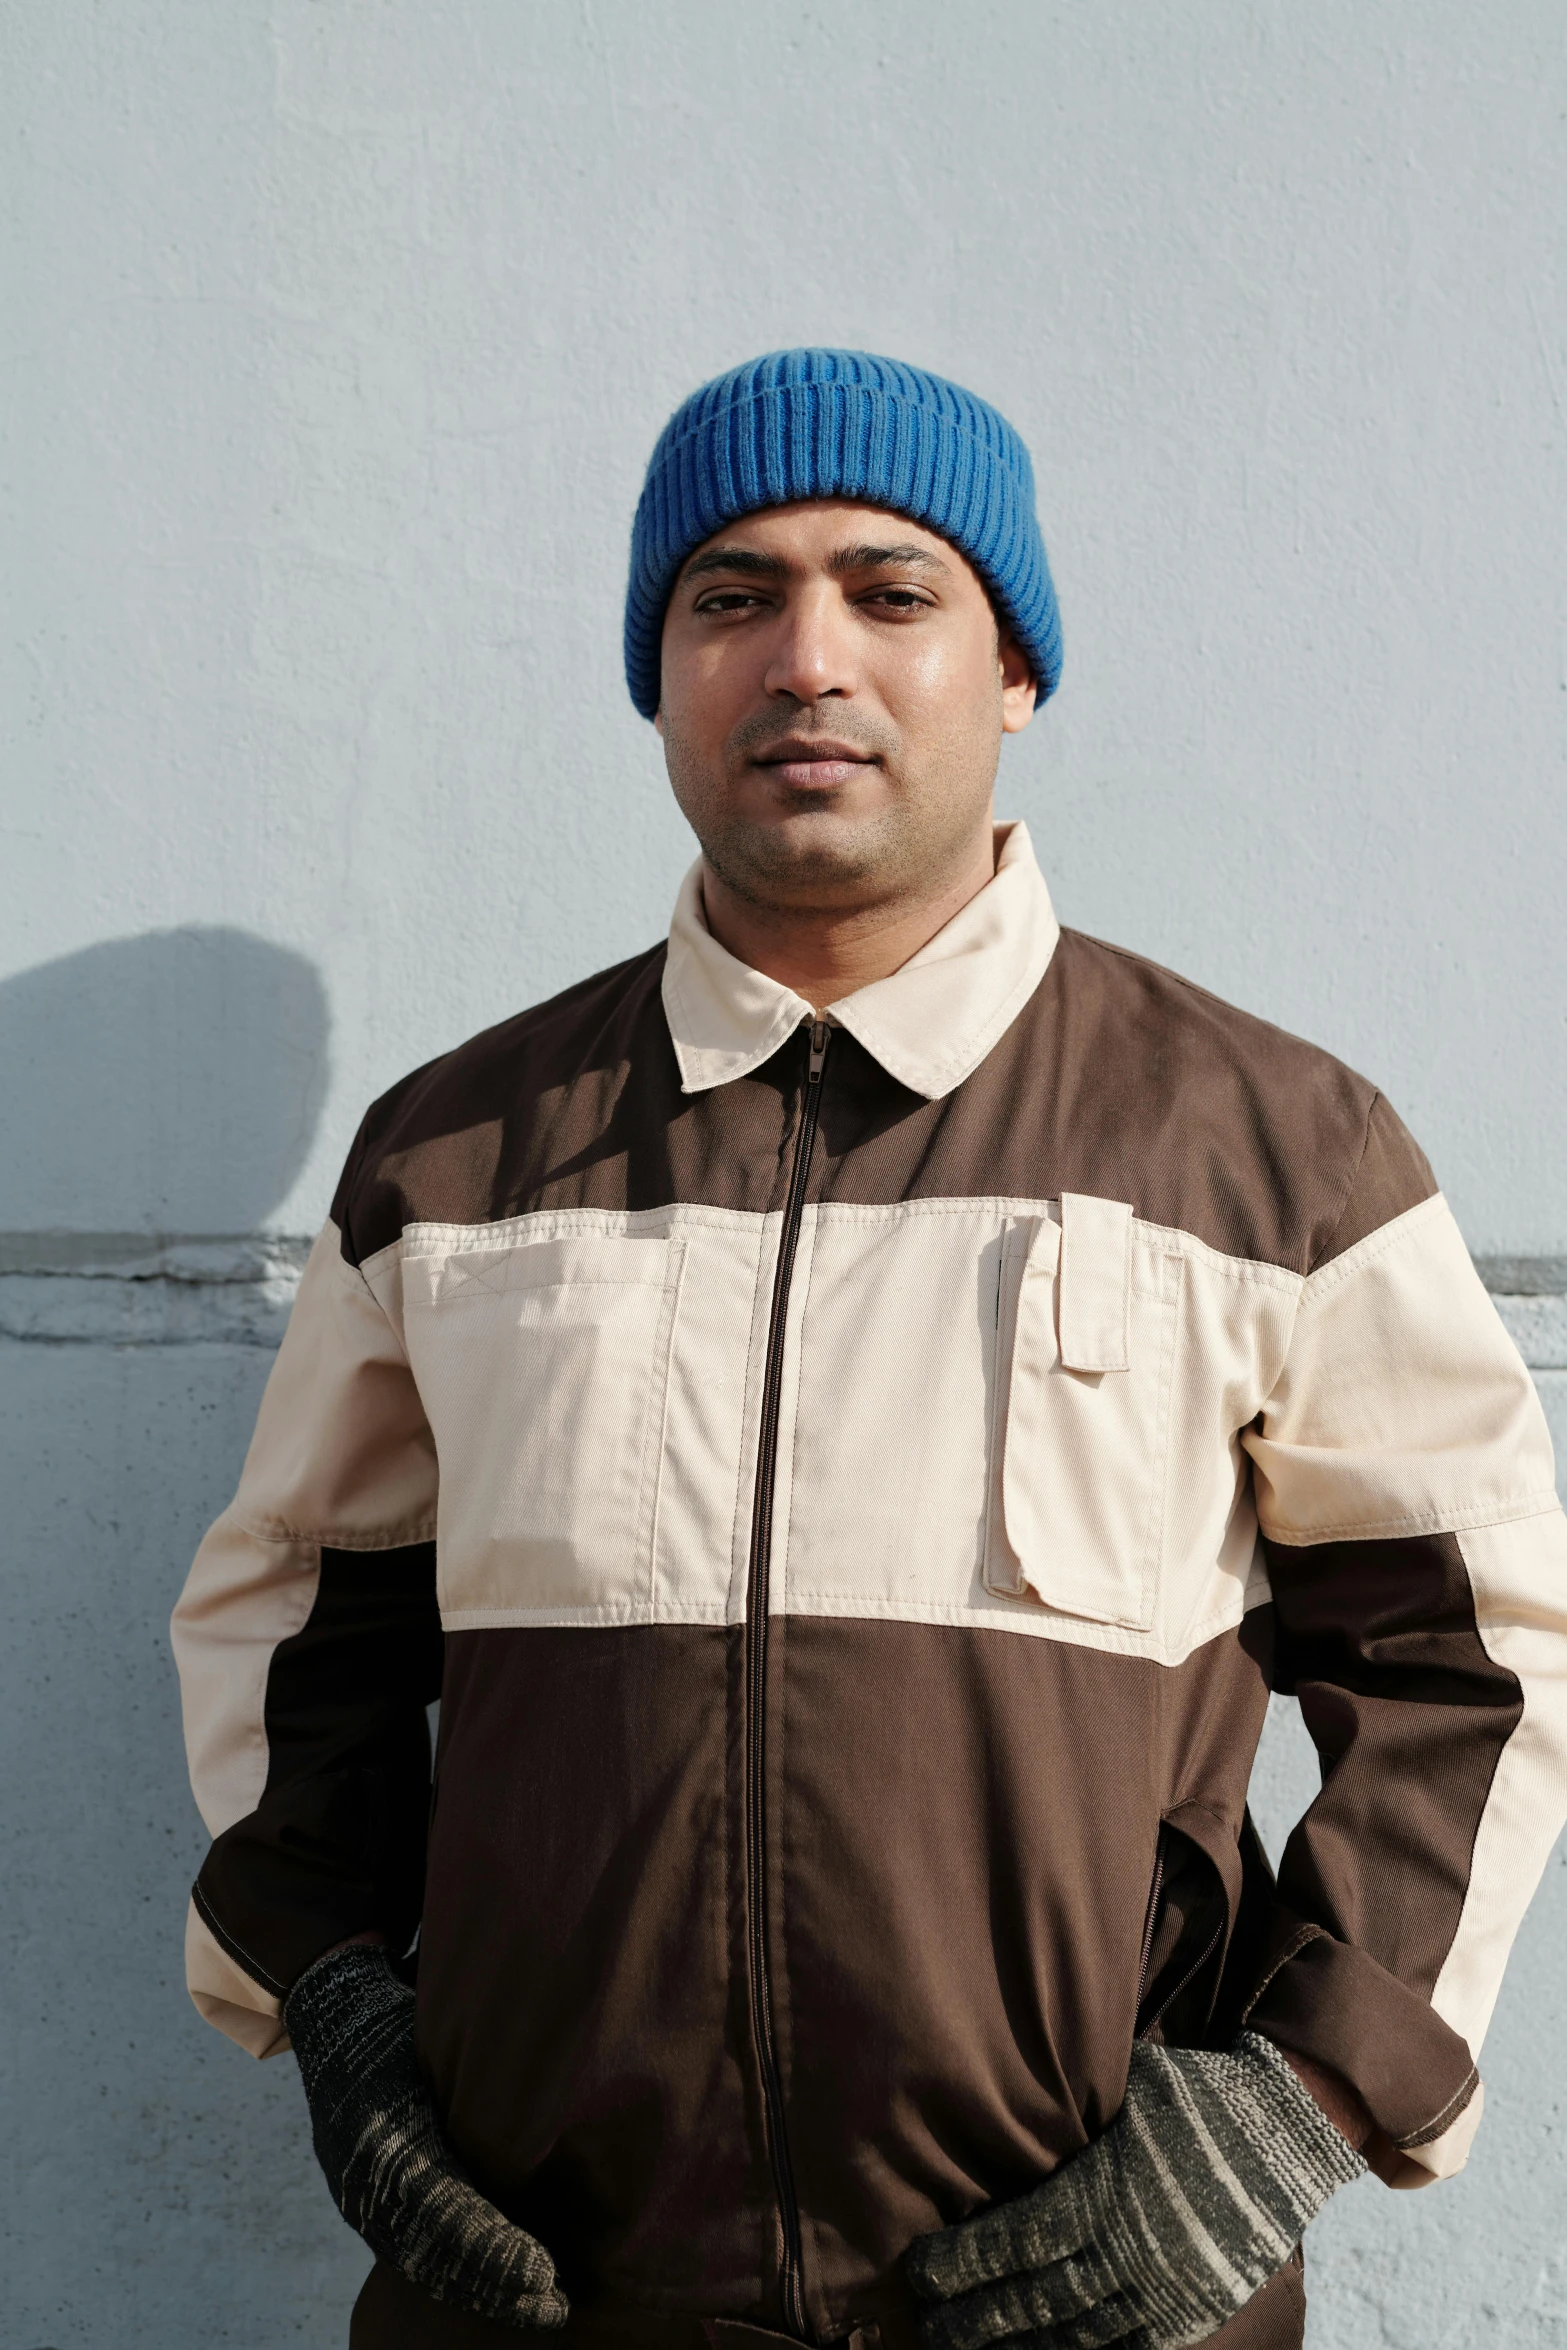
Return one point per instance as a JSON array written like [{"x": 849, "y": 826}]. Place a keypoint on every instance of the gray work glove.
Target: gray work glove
[
  {"x": 392, "y": 2175},
  {"x": 1194, "y": 2197}
]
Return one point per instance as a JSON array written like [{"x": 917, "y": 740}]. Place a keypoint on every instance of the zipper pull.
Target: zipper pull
[{"x": 819, "y": 1036}]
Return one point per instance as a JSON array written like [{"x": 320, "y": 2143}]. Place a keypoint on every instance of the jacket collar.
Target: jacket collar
[{"x": 929, "y": 1024}]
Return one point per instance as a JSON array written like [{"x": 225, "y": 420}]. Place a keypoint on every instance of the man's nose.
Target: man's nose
[{"x": 813, "y": 650}]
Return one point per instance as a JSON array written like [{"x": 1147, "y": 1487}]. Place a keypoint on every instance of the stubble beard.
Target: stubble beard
[{"x": 824, "y": 861}]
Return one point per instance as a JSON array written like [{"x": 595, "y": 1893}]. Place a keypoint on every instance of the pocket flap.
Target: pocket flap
[
  {"x": 1095, "y": 1296},
  {"x": 579, "y": 1263}
]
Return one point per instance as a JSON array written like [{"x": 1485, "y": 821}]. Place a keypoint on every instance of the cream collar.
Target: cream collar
[{"x": 929, "y": 1024}]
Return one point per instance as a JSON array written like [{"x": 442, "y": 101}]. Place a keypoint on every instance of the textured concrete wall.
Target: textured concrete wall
[{"x": 336, "y": 335}]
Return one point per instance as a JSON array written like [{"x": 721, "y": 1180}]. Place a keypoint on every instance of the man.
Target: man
[{"x": 852, "y": 1411}]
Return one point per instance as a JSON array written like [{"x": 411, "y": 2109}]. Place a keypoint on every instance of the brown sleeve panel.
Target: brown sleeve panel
[
  {"x": 336, "y": 1844},
  {"x": 1409, "y": 1715},
  {"x": 1412, "y": 2072},
  {"x": 1394, "y": 1175}
]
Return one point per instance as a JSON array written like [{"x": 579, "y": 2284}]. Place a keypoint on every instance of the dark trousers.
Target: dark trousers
[{"x": 391, "y": 2314}]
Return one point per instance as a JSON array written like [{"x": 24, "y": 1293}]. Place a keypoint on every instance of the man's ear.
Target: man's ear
[
  {"x": 1018, "y": 690},
  {"x": 658, "y": 719}
]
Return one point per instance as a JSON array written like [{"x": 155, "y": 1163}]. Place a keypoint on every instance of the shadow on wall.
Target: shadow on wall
[{"x": 164, "y": 1085}]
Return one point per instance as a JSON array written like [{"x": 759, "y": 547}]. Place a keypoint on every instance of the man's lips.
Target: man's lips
[{"x": 813, "y": 766}]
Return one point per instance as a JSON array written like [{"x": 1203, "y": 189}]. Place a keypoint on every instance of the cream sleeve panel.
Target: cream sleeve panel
[
  {"x": 1403, "y": 1407},
  {"x": 224, "y": 1994},
  {"x": 342, "y": 1453},
  {"x": 342, "y": 1457},
  {"x": 1518, "y": 1574}
]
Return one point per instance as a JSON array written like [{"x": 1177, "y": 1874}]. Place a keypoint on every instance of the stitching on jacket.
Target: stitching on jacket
[
  {"x": 233, "y": 1948},
  {"x": 392, "y": 1248},
  {"x": 1365, "y": 1252},
  {"x": 627, "y": 1611},
  {"x": 1354, "y": 1181},
  {"x": 1257, "y": 1272},
  {"x": 655, "y": 1433},
  {"x": 279, "y": 1531},
  {"x": 357, "y": 1275},
  {"x": 1027, "y": 1620},
  {"x": 735, "y": 1568},
  {"x": 794, "y": 1441},
  {"x": 1209, "y": 1811},
  {"x": 1159, "y": 1498},
  {"x": 418, "y": 1240},
  {"x": 1472, "y": 1520},
  {"x": 1298, "y": 1941},
  {"x": 854, "y": 1212},
  {"x": 1449, "y": 2114}
]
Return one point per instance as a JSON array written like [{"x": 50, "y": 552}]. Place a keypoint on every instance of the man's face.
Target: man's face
[{"x": 834, "y": 694}]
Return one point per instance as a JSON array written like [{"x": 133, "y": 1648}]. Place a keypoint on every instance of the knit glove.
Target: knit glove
[
  {"x": 1194, "y": 2197},
  {"x": 392, "y": 2175}
]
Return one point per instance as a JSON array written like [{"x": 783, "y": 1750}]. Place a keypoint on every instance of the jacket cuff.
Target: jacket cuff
[
  {"x": 226, "y": 1996},
  {"x": 1321, "y": 1998}
]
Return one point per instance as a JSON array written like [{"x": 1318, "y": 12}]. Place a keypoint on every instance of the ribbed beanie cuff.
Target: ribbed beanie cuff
[{"x": 841, "y": 424}]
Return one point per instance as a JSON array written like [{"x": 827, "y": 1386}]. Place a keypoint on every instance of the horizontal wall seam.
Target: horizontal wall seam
[{"x": 183, "y": 1289}]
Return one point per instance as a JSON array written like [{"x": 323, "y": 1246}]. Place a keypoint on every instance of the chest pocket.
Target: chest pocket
[
  {"x": 1086, "y": 1334},
  {"x": 544, "y": 1372}
]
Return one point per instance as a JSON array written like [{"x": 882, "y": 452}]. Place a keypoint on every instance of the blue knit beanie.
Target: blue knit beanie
[{"x": 841, "y": 424}]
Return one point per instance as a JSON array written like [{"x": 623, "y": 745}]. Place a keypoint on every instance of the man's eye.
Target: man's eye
[
  {"x": 728, "y": 600},
  {"x": 899, "y": 599}
]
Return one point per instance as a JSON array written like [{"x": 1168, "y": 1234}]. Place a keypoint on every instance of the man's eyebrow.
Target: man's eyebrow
[
  {"x": 864, "y": 557},
  {"x": 742, "y": 559},
  {"x": 868, "y": 558}
]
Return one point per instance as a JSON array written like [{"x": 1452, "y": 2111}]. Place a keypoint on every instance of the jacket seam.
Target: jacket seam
[
  {"x": 1196, "y": 1803},
  {"x": 1471, "y": 1520},
  {"x": 232, "y": 1947},
  {"x": 794, "y": 1436},
  {"x": 1354, "y": 1180},
  {"x": 364, "y": 1289},
  {"x": 280, "y": 1532},
  {"x": 1439, "y": 2122},
  {"x": 1302, "y": 1937},
  {"x": 1366, "y": 1252},
  {"x": 737, "y": 1569},
  {"x": 506, "y": 1232},
  {"x": 611, "y": 1223}
]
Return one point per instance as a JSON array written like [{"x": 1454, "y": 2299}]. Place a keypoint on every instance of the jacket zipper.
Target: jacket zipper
[
  {"x": 1149, "y": 1922},
  {"x": 791, "y": 2284}
]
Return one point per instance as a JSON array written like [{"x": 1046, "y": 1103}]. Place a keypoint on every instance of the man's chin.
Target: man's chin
[{"x": 809, "y": 862}]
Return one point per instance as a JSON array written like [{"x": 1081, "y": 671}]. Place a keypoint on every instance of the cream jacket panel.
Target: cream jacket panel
[
  {"x": 593, "y": 1383},
  {"x": 1403, "y": 1407},
  {"x": 994, "y": 1473},
  {"x": 342, "y": 1458}
]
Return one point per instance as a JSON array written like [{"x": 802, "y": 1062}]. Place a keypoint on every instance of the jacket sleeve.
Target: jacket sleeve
[
  {"x": 1418, "y": 1560},
  {"x": 308, "y": 1642}
]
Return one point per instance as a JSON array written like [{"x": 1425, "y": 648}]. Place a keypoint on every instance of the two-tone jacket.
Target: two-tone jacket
[{"x": 852, "y": 1485}]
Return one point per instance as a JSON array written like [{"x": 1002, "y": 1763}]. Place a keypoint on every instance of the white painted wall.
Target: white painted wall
[
  {"x": 335, "y": 336},
  {"x": 340, "y": 332}
]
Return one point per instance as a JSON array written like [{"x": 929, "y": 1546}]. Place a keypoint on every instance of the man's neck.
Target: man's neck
[{"x": 827, "y": 955}]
